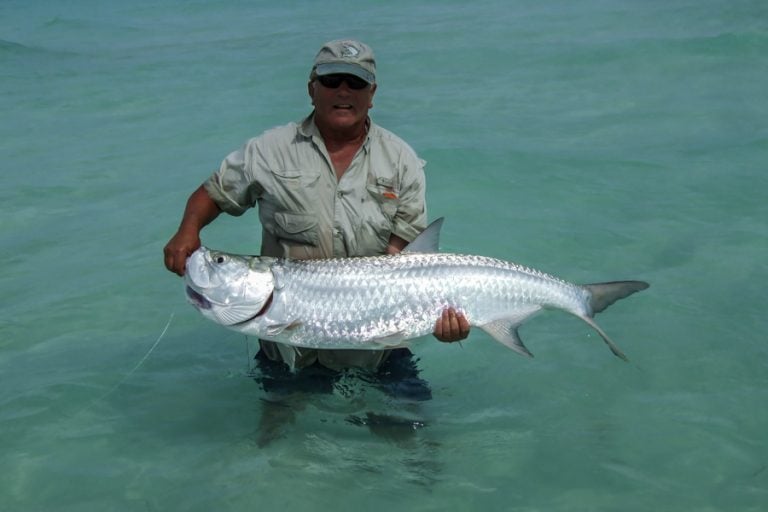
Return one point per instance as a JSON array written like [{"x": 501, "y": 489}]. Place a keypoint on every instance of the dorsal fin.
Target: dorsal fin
[{"x": 428, "y": 240}]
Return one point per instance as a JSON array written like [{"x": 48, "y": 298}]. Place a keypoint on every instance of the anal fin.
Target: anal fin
[{"x": 505, "y": 332}]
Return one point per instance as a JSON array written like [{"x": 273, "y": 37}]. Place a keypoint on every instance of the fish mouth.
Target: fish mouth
[{"x": 197, "y": 300}]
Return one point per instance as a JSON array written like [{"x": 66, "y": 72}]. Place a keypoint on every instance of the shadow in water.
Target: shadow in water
[
  {"x": 393, "y": 428},
  {"x": 288, "y": 393}
]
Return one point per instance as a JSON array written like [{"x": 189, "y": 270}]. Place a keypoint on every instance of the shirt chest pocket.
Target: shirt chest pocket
[
  {"x": 288, "y": 210},
  {"x": 294, "y": 185},
  {"x": 292, "y": 190},
  {"x": 296, "y": 227},
  {"x": 384, "y": 195}
]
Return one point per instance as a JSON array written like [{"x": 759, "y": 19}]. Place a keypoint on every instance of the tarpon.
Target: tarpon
[{"x": 381, "y": 302}]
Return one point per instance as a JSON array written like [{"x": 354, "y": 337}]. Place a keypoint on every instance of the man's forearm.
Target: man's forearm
[{"x": 200, "y": 211}]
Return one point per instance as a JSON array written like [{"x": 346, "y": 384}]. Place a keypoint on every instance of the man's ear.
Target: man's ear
[{"x": 373, "y": 91}]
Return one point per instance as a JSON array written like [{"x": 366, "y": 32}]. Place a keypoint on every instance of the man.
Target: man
[{"x": 334, "y": 185}]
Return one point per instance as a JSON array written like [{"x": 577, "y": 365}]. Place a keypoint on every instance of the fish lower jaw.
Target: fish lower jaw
[{"x": 197, "y": 299}]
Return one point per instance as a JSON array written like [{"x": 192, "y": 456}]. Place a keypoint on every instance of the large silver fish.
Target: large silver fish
[{"x": 384, "y": 301}]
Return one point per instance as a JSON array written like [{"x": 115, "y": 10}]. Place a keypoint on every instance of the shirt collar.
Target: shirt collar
[{"x": 308, "y": 129}]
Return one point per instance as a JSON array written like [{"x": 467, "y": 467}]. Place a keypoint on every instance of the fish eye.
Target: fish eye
[{"x": 220, "y": 259}]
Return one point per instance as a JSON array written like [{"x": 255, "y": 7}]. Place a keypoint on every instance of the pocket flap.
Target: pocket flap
[{"x": 295, "y": 222}]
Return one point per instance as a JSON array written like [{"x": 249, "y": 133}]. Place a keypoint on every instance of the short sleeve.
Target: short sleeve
[
  {"x": 411, "y": 217},
  {"x": 232, "y": 187}
]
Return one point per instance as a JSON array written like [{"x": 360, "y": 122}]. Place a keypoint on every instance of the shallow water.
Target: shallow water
[{"x": 597, "y": 141}]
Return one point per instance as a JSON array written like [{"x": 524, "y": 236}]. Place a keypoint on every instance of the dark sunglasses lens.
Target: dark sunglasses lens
[
  {"x": 330, "y": 81},
  {"x": 355, "y": 83},
  {"x": 334, "y": 81}
]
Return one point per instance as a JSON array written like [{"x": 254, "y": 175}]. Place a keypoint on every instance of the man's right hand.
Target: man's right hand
[
  {"x": 200, "y": 211},
  {"x": 178, "y": 249}
]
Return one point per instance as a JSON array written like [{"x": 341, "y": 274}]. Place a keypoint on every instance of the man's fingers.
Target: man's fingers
[
  {"x": 181, "y": 264},
  {"x": 441, "y": 326},
  {"x": 175, "y": 260},
  {"x": 451, "y": 326},
  {"x": 463, "y": 325}
]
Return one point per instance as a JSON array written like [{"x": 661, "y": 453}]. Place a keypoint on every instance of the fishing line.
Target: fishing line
[
  {"x": 130, "y": 373},
  {"x": 138, "y": 365}
]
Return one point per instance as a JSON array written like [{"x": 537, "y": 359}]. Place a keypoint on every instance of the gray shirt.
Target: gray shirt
[{"x": 306, "y": 213}]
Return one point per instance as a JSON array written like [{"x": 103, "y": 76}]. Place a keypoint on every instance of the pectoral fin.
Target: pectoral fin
[
  {"x": 275, "y": 329},
  {"x": 392, "y": 340}
]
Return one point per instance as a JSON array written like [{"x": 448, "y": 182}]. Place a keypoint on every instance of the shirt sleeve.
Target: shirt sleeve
[
  {"x": 232, "y": 187},
  {"x": 411, "y": 217}
]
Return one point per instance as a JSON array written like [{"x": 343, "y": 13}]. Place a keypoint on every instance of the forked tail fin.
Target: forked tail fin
[{"x": 603, "y": 295}]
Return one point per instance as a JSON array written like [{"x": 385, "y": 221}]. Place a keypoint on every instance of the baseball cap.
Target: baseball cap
[{"x": 346, "y": 56}]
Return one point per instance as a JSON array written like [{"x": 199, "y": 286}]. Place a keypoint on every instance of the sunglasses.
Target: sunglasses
[{"x": 334, "y": 81}]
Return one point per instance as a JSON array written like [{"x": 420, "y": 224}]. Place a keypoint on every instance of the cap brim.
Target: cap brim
[{"x": 333, "y": 68}]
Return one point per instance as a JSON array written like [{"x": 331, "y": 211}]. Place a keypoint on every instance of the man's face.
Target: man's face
[{"x": 341, "y": 101}]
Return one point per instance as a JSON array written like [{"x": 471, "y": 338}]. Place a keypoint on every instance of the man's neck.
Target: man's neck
[{"x": 337, "y": 139}]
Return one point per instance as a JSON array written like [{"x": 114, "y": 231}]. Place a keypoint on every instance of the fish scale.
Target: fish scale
[
  {"x": 361, "y": 295},
  {"x": 382, "y": 302}
]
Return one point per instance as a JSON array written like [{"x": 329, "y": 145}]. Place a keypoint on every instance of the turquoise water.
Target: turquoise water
[{"x": 595, "y": 140}]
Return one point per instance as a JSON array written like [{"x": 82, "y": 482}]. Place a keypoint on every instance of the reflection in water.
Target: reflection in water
[{"x": 348, "y": 397}]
